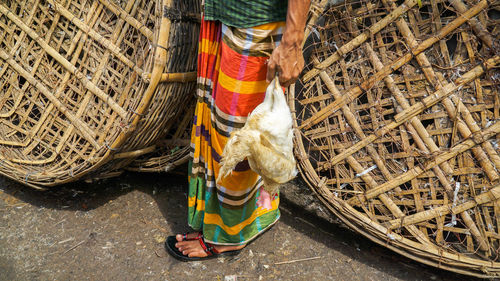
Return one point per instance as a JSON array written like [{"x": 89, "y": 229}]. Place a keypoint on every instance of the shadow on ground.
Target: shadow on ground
[{"x": 115, "y": 228}]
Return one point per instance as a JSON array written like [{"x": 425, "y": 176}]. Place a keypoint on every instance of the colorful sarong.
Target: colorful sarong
[{"x": 231, "y": 83}]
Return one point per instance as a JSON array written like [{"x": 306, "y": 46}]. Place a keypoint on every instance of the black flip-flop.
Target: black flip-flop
[{"x": 207, "y": 247}]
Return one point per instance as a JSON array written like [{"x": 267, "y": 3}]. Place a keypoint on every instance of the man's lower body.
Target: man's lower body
[{"x": 231, "y": 83}]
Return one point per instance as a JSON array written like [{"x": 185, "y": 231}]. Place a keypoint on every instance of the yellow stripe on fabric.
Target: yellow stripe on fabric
[
  {"x": 217, "y": 220},
  {"x": 238, "y": 181},
  {"x": 207, "y": 47},
  {"x": 270, "y": 26},
  {"x": 200, "y": 204},
  {"x": 241, "y": 87}
]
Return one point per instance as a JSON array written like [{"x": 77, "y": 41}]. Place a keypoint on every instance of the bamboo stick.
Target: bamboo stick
[
  {"x": 88, "y": 134},
  {"x": 450, "y": 108},
  {"x": 417, "y": 108},
  {"x": 351, "y": 94},
  {"x": 66, "y": 64},
  {"x": 476, "y": 25},
  {"x": 96, "y": 36},
  {"x": 491, "y": 195},
  {"x": 135, "y": 153},
  {"x": 408, "y": 4},
  {"x": 176, "y": 77},
  {"x": 475, "y": 139},
  {"x": 124, "y": 15}
]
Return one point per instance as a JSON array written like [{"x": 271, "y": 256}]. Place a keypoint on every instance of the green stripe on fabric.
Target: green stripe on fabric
[
  {"x": 230, "y": 214},
  {"x": 245, "y": 13},
  {"x": 248, "y": 232}
]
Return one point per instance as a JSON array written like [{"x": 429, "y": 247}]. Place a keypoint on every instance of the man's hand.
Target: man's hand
[{"x": 287, "y": 59}]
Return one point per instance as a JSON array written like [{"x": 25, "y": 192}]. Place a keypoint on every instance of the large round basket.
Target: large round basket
[
  {"x": 398, "y": 126},
  {"x": 88, "y": 86},
  {"x": 173, "y": 150}
]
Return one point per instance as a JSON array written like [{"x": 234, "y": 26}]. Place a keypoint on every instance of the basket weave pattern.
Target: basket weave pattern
[
  {"x": 81, "y": 83},
  {"x": 398, "y": 124}
]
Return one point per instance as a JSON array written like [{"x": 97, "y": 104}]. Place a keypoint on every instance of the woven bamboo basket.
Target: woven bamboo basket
[
  {"x": 397, "y": 123},
  {"x": 173, "y": 150},
  {"x": 88, "y": 86}
]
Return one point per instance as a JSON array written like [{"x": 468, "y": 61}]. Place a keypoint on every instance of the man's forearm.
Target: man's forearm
[
  {"x": 287, "y": 58},
  {"x": 295, "y": 22}
]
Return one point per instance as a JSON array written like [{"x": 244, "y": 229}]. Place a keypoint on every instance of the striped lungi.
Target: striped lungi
[{"x": 231, "y": 83}]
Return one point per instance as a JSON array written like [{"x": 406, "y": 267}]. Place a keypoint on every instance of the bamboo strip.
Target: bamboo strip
[
  {"x": 91, "y": 17},
  {"x": 475, "y": 139},
  {"x": 314, "y": 11},
  {"x": 159, "y": 63},
  {"x": 361, "y": 224},
  {"x": 417, "y": 108},
  {"x": 402, "y": 148},
  {"x": 135, "y": 153},
  {"x": 96, "y": 36},
  {"x": 408, "y": 4},
  {"x": 388, "y": 202},
  {"x": 41, "y": 123},
  {"x": 431, "y": 77},
  {"x": 124, "y": 15},
  {"x": 409, "y": 248},
  {"x": 176, "y": 77},
  {"x": 422, "y": 59},
  {"x": 416, "y": 122},
  {"x": 359, "y": 169},
  {"x": 66, "y": 64},
  {"x": 84, "y": 129},
  {"x": 350, "y": 95},
  {"x": 491, "y": 195},
  {"x": 476, "y": 25}
]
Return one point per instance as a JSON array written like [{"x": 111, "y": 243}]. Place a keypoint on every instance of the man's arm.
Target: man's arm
[{"x": 287, "y": 58}]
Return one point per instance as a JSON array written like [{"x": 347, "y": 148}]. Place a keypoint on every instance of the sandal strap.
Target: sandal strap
[
  {"x": 209, "y": 248},
  {"x": 185, "y": 238}
]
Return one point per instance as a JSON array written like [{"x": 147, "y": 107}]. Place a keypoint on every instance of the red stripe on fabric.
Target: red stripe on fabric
[
  {"x": 208, "y": 63},
  {"x": 208, "y": 29},
  {"x": 255, "y": 70},
  {"x": 209, "y": 46}
]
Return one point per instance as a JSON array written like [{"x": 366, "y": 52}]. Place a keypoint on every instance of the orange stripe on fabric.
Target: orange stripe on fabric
[
  {"x": 233, "y": 230},
  {"x": 270, "y": 26},
  {"x": 208, "y": 47},
  {"x": 241, "y": 87},
  {"x": 237, "y": 181}
]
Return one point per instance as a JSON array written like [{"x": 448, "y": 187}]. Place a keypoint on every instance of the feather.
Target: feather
[{"x": 266, "y": 141}]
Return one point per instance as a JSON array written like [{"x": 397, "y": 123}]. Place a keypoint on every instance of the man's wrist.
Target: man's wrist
[{"x": 292, "y": 39}]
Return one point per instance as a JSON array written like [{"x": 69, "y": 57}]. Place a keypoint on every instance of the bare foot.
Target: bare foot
[{"x": 192, "y": 248}]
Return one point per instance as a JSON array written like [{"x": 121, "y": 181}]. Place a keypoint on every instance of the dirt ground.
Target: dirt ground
[{"x": 115, "y": 229}]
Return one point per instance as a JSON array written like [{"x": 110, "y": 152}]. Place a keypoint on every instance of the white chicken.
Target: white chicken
[{"x": 266, "y": 141}]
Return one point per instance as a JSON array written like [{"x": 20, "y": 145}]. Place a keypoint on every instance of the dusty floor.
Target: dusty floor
[{"x": 114, "y": 230}]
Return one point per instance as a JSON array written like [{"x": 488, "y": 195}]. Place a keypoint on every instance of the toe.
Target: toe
[{"x": 178, "y": 237}]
